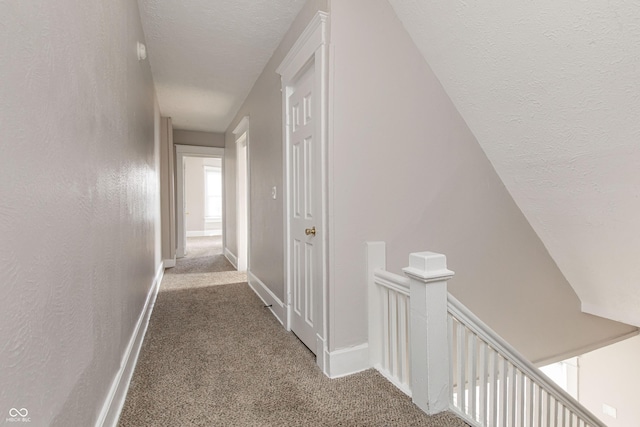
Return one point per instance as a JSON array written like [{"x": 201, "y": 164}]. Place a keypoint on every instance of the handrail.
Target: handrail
[
  {"x": 393, "y": 281},
  {"x": 472, "y": 322}
]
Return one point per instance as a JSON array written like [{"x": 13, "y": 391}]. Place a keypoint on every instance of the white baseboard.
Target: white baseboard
[
  {"x": 269, "y": 298},
  {"x": 169, "y": 263},
  {"x": 204, "y": 233},
  {"x": 112, "y": 406},
  {"x": 347, "y": 361},
  {"x": 231, "y": 257}
]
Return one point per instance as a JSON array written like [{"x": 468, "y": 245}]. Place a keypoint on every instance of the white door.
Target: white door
[{"x": 305, "y": 209}]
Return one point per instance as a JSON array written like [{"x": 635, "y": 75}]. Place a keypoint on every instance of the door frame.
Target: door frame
[
  {"x": 309, "y": 50},
  {"x": 183, "y": 151},
  {"x": 240, "y": 131}
]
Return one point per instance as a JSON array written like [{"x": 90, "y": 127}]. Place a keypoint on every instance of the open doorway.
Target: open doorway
[
  {"x": 199, "y": 201},
  {"x": 203, "y": 205}
]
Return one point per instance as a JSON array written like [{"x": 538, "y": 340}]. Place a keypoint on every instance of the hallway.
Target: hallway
[{"x": 213, "y": 355}]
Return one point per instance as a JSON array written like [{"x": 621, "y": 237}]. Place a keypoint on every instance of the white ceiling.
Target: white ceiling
[
  {"x": 551, "y": 89},
  {"x": 206, "y": 55}
]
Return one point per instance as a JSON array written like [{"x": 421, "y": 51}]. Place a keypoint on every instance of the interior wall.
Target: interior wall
[
  {"x": 406, "y": 170},
  {"x": 194, "y": 183},
  {"x": 194, "y": 193},
  {"x": 198, "y": 138},
  {"x": 610, "y": 376},
  {"x": 264, "y": 107},
  {"x": 78, "y": 204}
]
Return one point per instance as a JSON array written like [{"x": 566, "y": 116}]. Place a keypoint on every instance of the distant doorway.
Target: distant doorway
[{"x": 199, "y": 200}]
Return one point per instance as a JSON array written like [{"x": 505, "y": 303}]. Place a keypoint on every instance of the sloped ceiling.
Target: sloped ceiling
[
  {"x": 551, "y": 90},
  {"x": 206, "y": 55}
]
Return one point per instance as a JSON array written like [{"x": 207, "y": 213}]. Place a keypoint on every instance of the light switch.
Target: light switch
[{"x": 274, "y": 192}]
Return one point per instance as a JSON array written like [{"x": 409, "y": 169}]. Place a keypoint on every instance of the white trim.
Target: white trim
[
  {"x": 114, "y": 402},
  {"x": 312, "y": 38},
  {"x": 169, "y": 263},
  {"x": 183, "y": 151},
  {"x": 268, "y": 297},
  {"x": 242, "y": 127},
  {"x": 231, "y": 258},
  {"x": 347, "y": 361},
  {"x": 311, "y": 46},
  {"x": 204, "y": 233}
]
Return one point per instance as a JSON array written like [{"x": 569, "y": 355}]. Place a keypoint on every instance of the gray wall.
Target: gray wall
[
  {"x": 201, "y": 139},
  {"x": 407, "y": 170},
  {"x": 79, "y": 202},
  {"x": 264, "y": 107}
]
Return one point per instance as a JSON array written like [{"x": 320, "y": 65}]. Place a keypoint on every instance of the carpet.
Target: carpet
[{"x": 214, "y": 356}]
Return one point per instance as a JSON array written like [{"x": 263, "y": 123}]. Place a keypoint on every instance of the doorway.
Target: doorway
[
  {"x": 199, "y": 199},
  {"x": 304, "y": 97},
  {"x": 241, "y": 133}
]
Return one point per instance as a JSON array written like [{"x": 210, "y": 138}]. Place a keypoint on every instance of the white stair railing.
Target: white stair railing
[{"x": 434, "y": 349}]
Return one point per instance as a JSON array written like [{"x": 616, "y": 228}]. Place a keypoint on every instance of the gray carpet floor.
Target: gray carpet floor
[{"x": 214, "y": 356}]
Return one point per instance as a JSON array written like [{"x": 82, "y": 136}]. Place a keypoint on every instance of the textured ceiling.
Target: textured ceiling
[
  {"x": 552, "y": 92},
  {"x": 206, "y": 55}
]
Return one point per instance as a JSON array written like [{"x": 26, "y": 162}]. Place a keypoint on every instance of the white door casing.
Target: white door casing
[
  {"x": 304, "y": 90},
  {"x": 183, "y": 151},
  {"x": 241, "y": 133}
]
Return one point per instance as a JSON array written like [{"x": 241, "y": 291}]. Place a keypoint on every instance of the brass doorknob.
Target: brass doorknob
[{"x": 310, "y": 231}]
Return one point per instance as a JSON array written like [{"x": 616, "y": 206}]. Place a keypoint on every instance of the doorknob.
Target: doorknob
[{"x": 310, "y": 231}]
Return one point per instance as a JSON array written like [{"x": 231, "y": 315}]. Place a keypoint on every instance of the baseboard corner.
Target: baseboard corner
[
  {"x": 347, "y": 361},
  {"x": 113, "y": 404},
  {"x": 231, "y": 258}
]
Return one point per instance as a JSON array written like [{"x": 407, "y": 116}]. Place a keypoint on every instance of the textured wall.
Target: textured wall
[
  {"x": 407, "y": 170},
  {"x": 202, "y": 139},
  {"x": 264, "y": 106},
  {"x": 550, "y": 89},
  {"x": 78, "y": 202}
]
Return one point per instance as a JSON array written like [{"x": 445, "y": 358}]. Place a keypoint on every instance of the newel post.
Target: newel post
[{"x": 429, "y": 336}]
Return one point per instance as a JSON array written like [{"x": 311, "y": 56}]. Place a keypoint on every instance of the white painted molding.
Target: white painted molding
[
  {"x": 269, "y": 298},
  {"x": 169, "y": 263},
  {"x": 231, "y": 258},
  {"x": 204, "y": 233},
  {"x": 347, "y": 361},
  {"x": 242, "y": 127},
  {"x": 183, "y": 151},
  {"x": 114, "y": 402},
  {"x": 199, "y": 151},
  {"x": 429, "y": 352},
  {"x": 314, "y": 36},
  {"x": 309, "y": 48}
]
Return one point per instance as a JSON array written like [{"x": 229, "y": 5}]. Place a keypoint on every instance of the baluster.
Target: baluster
[
  {"x": 403, "y": 339},
  {"x": 531, "y": 399},
  {"x": 504, "y": 394},
  {"x": 522, "y": 399},
  {"x": 386, "y": 365},
  {"x": 461, "y": 368},
  {"x": 484, "y": 385},
  {"x": 494, "y": 388},
  {"x": 393, "y": 332},
  {"x": 473, "y": 379},
  {"x": 512, "y": 393},
  {"x": 452, "y": 355}
]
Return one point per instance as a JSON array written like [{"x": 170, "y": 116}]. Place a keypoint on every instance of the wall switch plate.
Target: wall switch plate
[
  {"x": 609, "y": 410},
  {"x": 274, "y": 192}
]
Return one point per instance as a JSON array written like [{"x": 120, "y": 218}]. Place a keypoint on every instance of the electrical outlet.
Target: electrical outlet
[{"x": 609, "y": 410}]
